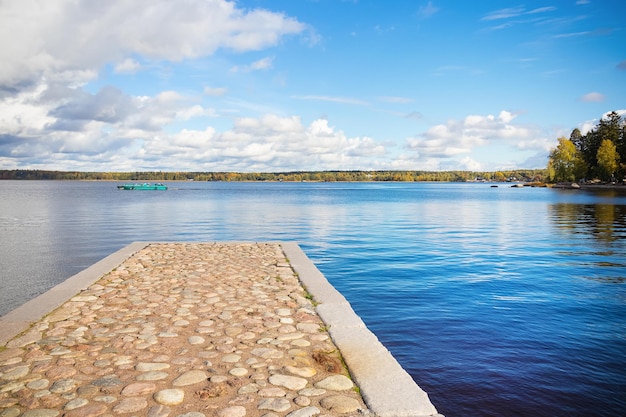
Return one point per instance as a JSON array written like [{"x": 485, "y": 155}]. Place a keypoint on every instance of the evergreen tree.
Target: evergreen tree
[{"x": 611, "y": 128}]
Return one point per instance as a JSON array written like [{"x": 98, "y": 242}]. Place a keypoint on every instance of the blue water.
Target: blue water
[{"x": 498, "y": 301}]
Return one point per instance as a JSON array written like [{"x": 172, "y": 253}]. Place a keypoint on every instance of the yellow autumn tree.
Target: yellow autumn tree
[
  {"x": 565, "y": 163},
  {"x": 608, "y": 159}
]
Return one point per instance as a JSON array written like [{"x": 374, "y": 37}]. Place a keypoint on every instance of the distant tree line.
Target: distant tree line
[
  {"x": 598, "y": 156},
  {"x": 525, "y": 175}
]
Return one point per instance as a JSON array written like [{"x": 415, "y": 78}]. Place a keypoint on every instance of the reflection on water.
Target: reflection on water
[
  {"x": 604, "y": 222},
  {"x": 598, "y": 234}
]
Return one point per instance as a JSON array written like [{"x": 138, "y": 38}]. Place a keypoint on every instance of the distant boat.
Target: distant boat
[{"x": 144, "y": 186}]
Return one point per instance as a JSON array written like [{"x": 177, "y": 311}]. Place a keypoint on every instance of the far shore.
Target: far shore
[{"x": 583, "y": 186}]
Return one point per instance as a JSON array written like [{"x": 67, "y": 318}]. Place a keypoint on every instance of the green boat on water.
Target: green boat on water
[{"x": 144, "y": 186}]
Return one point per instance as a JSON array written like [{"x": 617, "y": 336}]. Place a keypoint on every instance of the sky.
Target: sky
[{"x": 303, "y": 85}]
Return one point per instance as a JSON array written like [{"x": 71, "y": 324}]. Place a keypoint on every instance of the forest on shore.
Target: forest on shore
[
  {"x": 597, "y": 156},
  {"x": 523, "y": 175}
]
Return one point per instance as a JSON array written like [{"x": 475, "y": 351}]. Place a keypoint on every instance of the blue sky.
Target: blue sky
[{"x": 280, "y": 85}]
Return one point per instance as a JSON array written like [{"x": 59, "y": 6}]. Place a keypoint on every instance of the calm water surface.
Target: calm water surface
[{"x": 498, "y": 301}]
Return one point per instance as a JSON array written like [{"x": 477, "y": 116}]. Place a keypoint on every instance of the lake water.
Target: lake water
[{"x": 498, "y": 301}]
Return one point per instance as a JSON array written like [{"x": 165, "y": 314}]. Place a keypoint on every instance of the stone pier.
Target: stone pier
[{"x": 198, "y": 330}]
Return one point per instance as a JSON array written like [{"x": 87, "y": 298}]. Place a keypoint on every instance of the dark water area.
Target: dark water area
[{"x": 498, "y": 301}]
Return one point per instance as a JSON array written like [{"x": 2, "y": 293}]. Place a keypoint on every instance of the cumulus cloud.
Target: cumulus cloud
[
  {"x": 52, "y": 50},
  {"x": 114, "y": 131},
  {"x": 468, "y": 164},
  {"x": 45, "y": 39},
  {"x": 459, "y": 137}
]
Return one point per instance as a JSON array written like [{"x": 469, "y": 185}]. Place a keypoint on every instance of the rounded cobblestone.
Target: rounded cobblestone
[
  {"x": 197, "y": 329},
  {"x": 170, "y": 396}
]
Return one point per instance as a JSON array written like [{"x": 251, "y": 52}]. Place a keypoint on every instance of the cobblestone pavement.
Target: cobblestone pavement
[{"x": 182, "y": 330}]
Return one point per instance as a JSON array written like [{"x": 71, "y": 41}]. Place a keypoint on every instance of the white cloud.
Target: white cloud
[
  {"x": 51, "y": 50},
  {"x": 127, "y": 66},
  {"x": 504, "y": 13},
  {"x": 592, "y": 97},
  {"x": 194, "y": 111},
  {"x": 515, "y": 12},
  {"x": 427, "y": 10},
  {"x": 334, "y": 99},
  {"x": 261, "y": 64},
  {"x": 586, "y": 127},
  {"x": 129, "y": 133},
  {"x": 458, "y": 137},
  {"x": 468, "y": 164},
  {"x": 395, "y": 99},
  {"x": 272, "y": 143},
  {"x": 41, "y": 39},
  {"x": 215, "y": 91}
]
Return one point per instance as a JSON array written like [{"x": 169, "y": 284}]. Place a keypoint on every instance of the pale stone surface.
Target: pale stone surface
[
  {"x": 159, "y": 411},
  {"x": 38, "y": 384},
  {"x": 335, "y": 383},
  {"x": 190, "y": 378},
  {"x": 231, "y": 358},
  {"x": 272, "y": 392},
  {"x": 41, "y": 412},
  {"x": 290, "y": 382},
  {"x": 340, "y": 404},
  {"x": 138, "y": 388},
  {"x": 151, "y": 367},
  {"x": 169, "y": 396},
  {"x": 238, "y": 371},
  {"x": 196, "y": 340},
  {"x": 312, "y": 392},
  {"x": 15, "y": 373},
  {"x": 305, "y": 371},
  {"x": 90, "y": 410},
  {"x": 304, "y": 412},
  {"x": 274, "y": 404},
  {"x": 268, "y": 353},
  {"x": 63, "y": 385},
  {"x": 130, "y": 405},
  {"x": 152, "y": 376},
  {"x": 235, "y": 411},
  {"x": 76, "y": 403},
  {"x": 10, "y": 412},
  {"x": 302, "y": 401}
]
